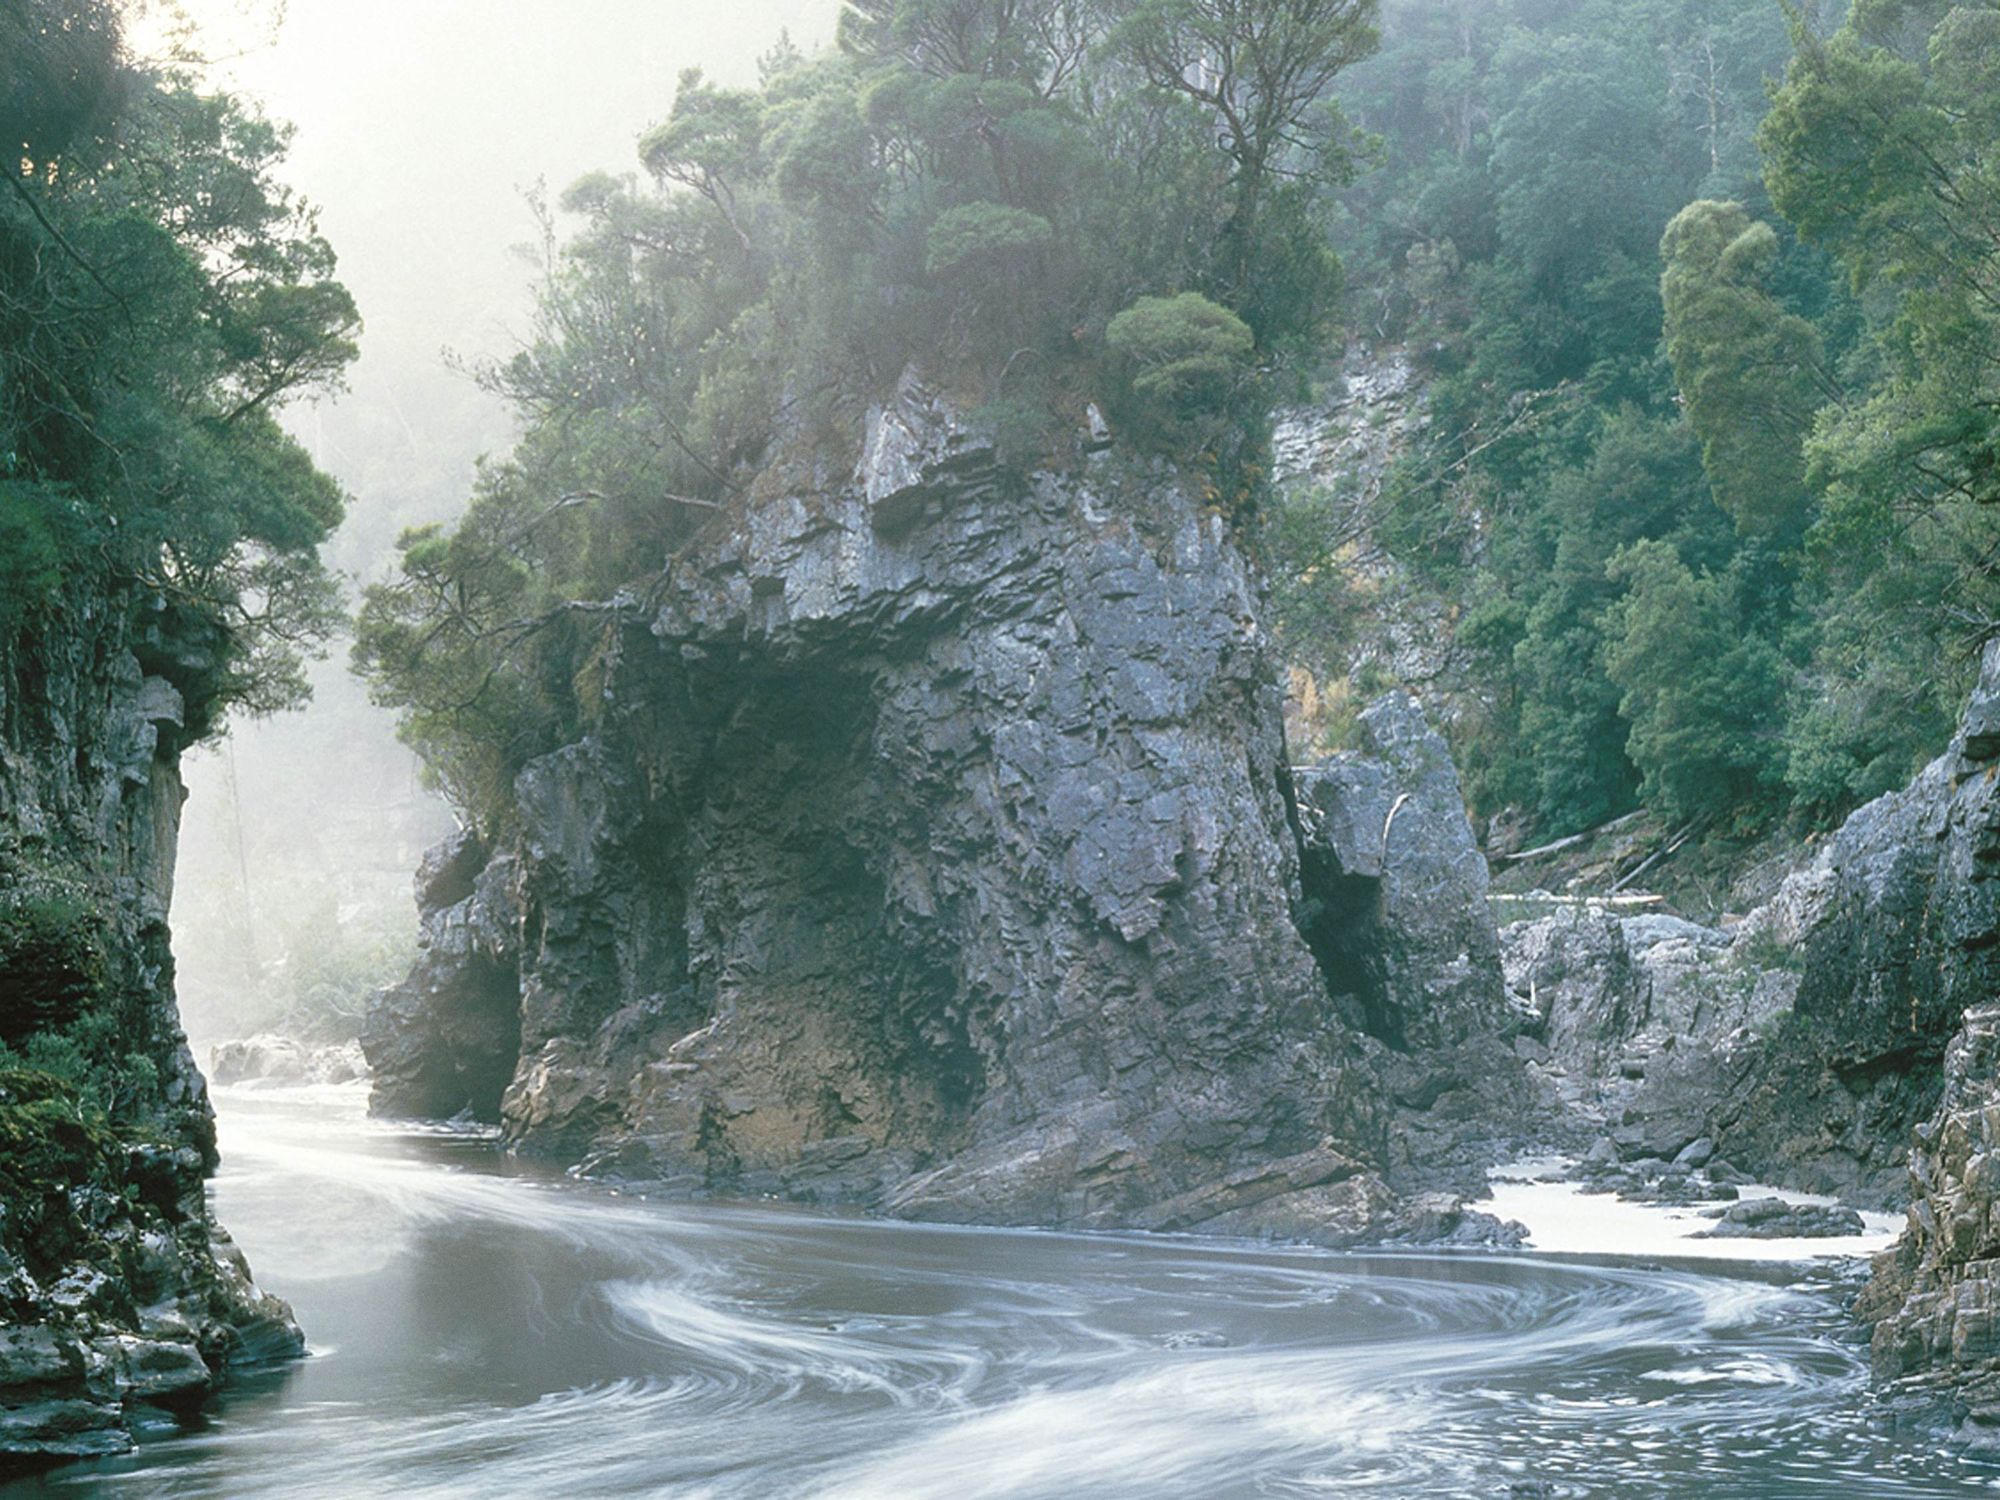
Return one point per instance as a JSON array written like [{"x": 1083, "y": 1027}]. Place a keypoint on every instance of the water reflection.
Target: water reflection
[{"x": 482, "y": 1329}]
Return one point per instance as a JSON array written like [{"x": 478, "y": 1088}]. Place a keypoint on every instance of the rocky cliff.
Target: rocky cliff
[
  {"x": 117, "y": 1287},
  {"x": 1807, "y": 1040},
  {"x": 935, "y": 850},
  {"x": 1933, "y": 1298}
]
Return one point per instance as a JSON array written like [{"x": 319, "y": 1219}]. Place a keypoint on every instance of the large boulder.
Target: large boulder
[{"x": 1396, "y": 912}]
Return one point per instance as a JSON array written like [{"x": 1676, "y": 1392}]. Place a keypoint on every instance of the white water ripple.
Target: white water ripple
[{"x": 486, "y": 1333}]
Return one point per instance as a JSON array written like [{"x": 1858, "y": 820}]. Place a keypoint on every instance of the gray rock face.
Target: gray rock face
[
  {"x": 933, "y": 851},
  {"x": 1808, "y": 1040},
  {"x": 1897, "y": 938},
  {"x": 1643, "y": 1018},
  {"x": 1935, "y": 1298},
  {"x": 116, "y": 1286},
  {"x": 1344, "y": 447},
  {"x": 1396, "y": 913},
  {"x": 444, "y": 1042}
]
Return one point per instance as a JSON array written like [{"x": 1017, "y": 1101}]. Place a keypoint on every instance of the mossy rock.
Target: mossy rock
[
  {"x": 53, "y": 962},
  {"x": 51, "y": 1143}
]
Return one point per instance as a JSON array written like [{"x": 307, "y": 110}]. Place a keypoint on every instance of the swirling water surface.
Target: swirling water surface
[{"x": 479, "y": 1330}]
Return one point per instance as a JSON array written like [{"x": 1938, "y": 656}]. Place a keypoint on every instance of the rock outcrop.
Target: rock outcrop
[
  {"x": 934, "y": 850},
  {"x": 117, "y": 1288},
  {"x": 1933, "y": 1298},
  {"x": 1639, "y": 1023},
  {"x": 1396, "y": 912},
  {"x": 1808, "y": 1039}
]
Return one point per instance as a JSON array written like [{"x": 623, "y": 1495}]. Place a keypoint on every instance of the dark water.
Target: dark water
[{"x": 485, "y": 1334}]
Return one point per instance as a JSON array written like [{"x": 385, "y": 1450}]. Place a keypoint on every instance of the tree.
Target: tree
[
  {"x": 161, "y": 294},
  {"x": 1892, "y": 162},
  {"x": 1263, "y": 68},
  {"x": 1750, "y": 373},
  {"x": 1187, "y": 357},
  {"x": 1700, "y": 693}
]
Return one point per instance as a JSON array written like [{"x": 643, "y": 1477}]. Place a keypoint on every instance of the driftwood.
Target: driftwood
[{"x": 1568, "y": 843}]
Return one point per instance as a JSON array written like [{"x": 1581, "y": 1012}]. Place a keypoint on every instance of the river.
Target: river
[{"x": 481, "y": 1329}]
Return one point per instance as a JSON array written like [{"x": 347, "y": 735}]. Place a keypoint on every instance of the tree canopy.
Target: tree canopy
[
  {"x": 161, "y": 294},
  {"x": 1031, "y": 199}
]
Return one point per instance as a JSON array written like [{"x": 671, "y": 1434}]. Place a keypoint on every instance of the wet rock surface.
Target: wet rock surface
[
  {"x": 1777, "y": 1219},
  {"x": 935, "y": 851},
  {"x": 118, "y": 1291}
]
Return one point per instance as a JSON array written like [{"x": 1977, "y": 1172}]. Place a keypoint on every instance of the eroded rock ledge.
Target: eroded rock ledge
[{"x": 935, "y": 850}]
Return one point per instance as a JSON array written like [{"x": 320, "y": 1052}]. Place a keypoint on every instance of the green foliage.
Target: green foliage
[
  {"x": 1749, "y": 372},
  {"x": 160, "y": 294},
  {"x": 1884, "y": 147},
  {"x": 1187, "y": 357},
  {"x": 978, "y": 240},
  {"x": 51, "y": 1141},
  {"x": 53, "y": 967},
  {"x": 1697, "y": 687},
  {"x": 1023, "y": 197},
  {"x": 1761, "y": 556}
]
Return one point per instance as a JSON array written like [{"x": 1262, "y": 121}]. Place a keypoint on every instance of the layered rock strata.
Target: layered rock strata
[
  {"x": 934, "y": 850},
  {"x": 117, "y": 1287}
]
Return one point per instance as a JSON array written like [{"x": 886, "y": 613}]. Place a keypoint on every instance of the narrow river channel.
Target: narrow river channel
[{"x": 482, "y": 1330}]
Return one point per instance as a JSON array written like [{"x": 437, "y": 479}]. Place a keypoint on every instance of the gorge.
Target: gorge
[{"x": 1194, "y": 748}]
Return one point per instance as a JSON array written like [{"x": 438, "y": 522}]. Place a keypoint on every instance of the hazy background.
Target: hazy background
[{"x": 420, "y": 124}]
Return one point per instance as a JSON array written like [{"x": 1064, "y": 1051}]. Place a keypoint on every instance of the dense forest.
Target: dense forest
[
  {"x": 1707, "y": 297},
  {"x": 1703, "y": 295}
]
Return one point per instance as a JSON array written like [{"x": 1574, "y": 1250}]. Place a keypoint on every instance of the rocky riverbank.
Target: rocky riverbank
[
  {"x": 118, "y": 1290},
  {"x": 934, "y": 850}
]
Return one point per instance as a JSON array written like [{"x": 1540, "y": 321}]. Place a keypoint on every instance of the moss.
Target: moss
[
  {"x": 52, "y": 1141},
  {"x": 53, "y": 963}
]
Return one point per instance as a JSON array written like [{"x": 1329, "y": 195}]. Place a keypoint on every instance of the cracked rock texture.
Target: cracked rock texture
[
  {"x": 1396, "y": 911},
  {"x": 934, "y": 850},
  {"x": 117, "y": 1288},
  {"x": 1808, "y": 1040},
  {"x": 1933, "y": 1299}
]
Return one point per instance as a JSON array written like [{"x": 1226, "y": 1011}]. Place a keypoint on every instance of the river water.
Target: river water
[{"x": 481, "y": 1330}]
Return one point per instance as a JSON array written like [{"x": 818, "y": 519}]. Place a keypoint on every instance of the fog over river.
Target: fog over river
[{"x": 480, "y": 1329}]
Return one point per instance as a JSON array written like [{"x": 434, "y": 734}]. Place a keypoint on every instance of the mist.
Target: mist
[{"x": 422, "y": 134}]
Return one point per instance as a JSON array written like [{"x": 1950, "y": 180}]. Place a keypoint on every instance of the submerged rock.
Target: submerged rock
[
  {"x": 1776, "y": 1219},
  {"x": 934, "y": 849}
]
